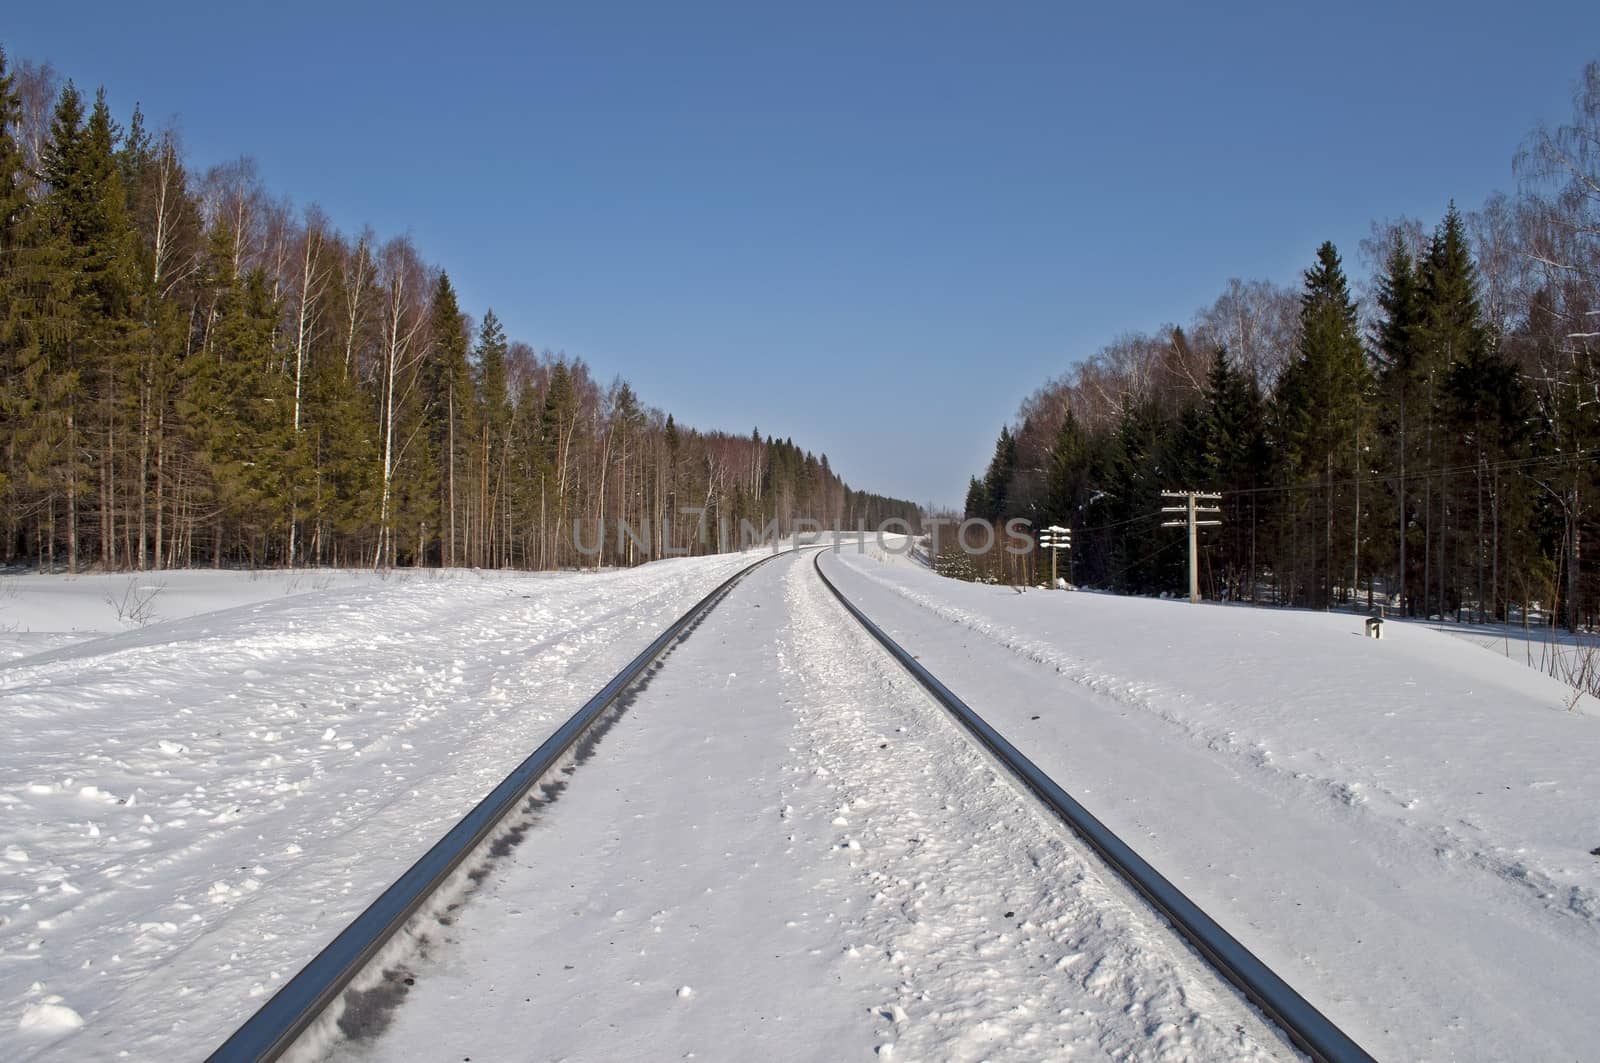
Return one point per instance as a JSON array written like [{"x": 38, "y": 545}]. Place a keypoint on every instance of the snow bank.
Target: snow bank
[
  {"x": 192, "y": 806},
  {"x": 1402, "y": 827}
]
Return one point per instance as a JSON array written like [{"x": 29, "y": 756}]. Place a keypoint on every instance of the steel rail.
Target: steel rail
[
  {"x": 1309, "y": 1030},
  {"x": 274, "y": 1028}
]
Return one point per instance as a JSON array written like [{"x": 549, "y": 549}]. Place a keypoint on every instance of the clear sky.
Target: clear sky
[{"x": 873, "y": 227}]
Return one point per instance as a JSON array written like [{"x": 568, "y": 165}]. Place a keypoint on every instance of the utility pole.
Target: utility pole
[
  {"x": 1192, "y": 511},
  {"x": 1056, "y": 538}
]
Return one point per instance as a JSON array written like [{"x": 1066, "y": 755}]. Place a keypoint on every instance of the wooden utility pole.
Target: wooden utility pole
[
  {"x": 1192, "y": 511},
  {"x": 1056, "y": 538}
]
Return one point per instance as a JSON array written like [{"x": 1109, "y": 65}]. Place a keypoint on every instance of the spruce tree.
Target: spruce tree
[
  {"x": 557, "y": 424},
  {"x": 452, "y": 420},
  {"x": 1451, "y": 335},
  {"x": 494, "y": 436},
  {"x": 1324, "y": 407},
  {"x": 1068, "y": 484},
  {"x": 977, "y": 503},
  {"x": 51, "y": 303},
  {"x": 1144, "y": 558},
  {"x": 997, "y": 480},
  {"x": 237, "y": 407},
  {"x": 529, "y": 499},
  {"x": 1486, "y": 409},
  {"x": 151, "y": 394},
  {"x": 13, "y": 193},
  {"x": 1235, "y": 460},
  {"x": 13, "y": 203},
  {"x": 1403, "y": 385},
  {"x": 341, "y": 437}
]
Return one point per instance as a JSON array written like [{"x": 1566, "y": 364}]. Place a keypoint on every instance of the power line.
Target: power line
[
  {"x": 1439, "y": 470},
  {"x": 1123, "y": 570},
  {"x": 1319, "y": 485},
  {"x": 1118, "y": 523}
]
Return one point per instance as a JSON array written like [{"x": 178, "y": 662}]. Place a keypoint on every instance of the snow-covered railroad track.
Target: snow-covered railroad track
[
  {"x": 1308, "y": 1028},
  {"x": 306, "y": 1002},
  {"x": 790, "y": 852}
]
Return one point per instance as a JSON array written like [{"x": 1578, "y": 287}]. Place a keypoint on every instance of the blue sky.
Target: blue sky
[{"x": 873, "y": 227}]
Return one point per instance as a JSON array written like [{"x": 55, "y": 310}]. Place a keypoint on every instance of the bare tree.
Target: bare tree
[
  {"x": 234, "y": 205},
  {"x": 357, "y": 270},
  {"x": 310, "y": 282},
  {"x": 1258, "y": 322},
  {"x": 37, "y": 86},
  {"x": 1560, "y": 228},
  {"x": 1560, "y": 170},
  {"x": 402, "y": 285}
]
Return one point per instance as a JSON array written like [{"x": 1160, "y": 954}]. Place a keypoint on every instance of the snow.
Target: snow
[
  {"x": 784, "y": 850},
  {"x": 1574, "y": 659},
  {"x": 49, "y": 1018},
  {"x": 192, "y": 807},
  {"x": 40, "y": 612},
  {"x": 1401, "y": 828}
]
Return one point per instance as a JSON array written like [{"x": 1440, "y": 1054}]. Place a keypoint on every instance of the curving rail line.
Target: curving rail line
[{"x": 1310, "y": 1030}]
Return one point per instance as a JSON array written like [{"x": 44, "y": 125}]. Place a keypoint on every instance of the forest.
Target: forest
[
  {"x": 195, "y": 372},
  {"x": 1423, "y": 438}
]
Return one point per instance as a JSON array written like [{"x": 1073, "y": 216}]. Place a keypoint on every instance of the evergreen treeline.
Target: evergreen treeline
[
  {"x": 192, "y": 373},
  {"x": 1432, "y": 445}
]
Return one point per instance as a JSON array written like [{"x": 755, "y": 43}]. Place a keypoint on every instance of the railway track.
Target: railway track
[
  {"x": 1310, "y": 1030},
  {"x": 315, "y": 993},
  {"x": 303, "y": 1000}
]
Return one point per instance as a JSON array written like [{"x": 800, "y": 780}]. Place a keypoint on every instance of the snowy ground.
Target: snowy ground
[
  {"x": 784, "y": 850},
  {"x": 1572, "y": 658},
  {"x": 1403, "y": 829},
  {"x": 40, "y": 612},
  {"x": 189, "y": 809}
]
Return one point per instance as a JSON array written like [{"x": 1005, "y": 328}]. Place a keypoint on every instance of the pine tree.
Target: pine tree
[
  {"x": 88, "y": 234},
  {"x": 118, "y": 327},
  {"x": 1324, "y": 409},
  {"x": 452, "y": 420},
  {"x": 997, "y": 480},
  {"x": 13, "y": 205},
  {"x": 494, "y": 436},
  {"x": 673, "y": 440},
  {"x": 558, "y": 423},
  {"x": 341, "y": 438},
  {"x": 529, "y": 498},
  {"x": 177, "y": 382},
  {"x": 1451, "y": 335},
  {"x": 152, "y": 181},
  {"x": 1068, "y": 485},
  {"x": 1485, "y": 409},
  {"x": 1235, "y": 461},
  {"x": 1403, "y": 385},
  {"x": 1144, "y": 558},
  {"x": 628, "y": 423},
  {"x": 237, "y": 408},
  {"x": 49, "y": 305},
  {"x": 13, "y": 193}
]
